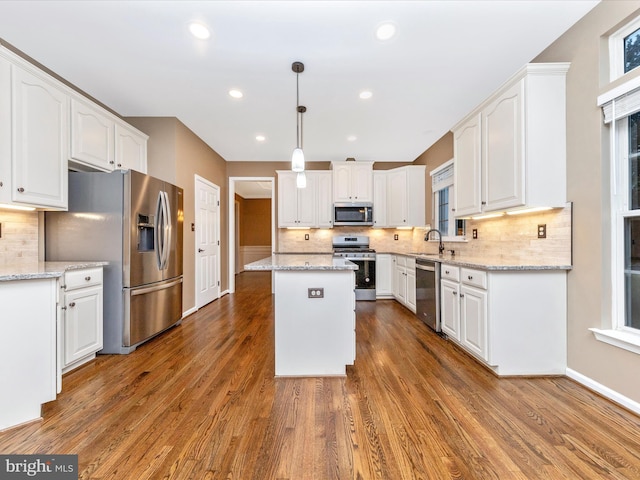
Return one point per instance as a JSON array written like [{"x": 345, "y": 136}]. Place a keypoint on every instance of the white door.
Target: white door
[{"x": 207, "y": 242}]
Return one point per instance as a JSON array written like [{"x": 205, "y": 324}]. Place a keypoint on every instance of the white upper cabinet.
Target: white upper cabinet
[
  {"x": 352, "y": 181},
  {"x": 39, "y": 141},
  {"x": 101, "y": 141},
  {"x": 92, "y": 136},
  {"x": 405, "y": 196},
  {"x": 131, "y": 148},
  {"x": 325, "y": 195},
  {"x": 510, "y": 152},
  {"x": 379, "y": 198},
  {"x": 297, "y": 207}
]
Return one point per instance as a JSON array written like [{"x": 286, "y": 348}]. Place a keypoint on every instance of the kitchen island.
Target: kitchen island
[{"x": 314, "y": 313}]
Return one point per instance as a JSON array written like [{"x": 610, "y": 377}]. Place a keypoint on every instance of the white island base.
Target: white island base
[{"x": 314, "y": 335}]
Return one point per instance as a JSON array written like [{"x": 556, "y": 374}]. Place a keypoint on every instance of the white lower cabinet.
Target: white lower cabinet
[
  {"x": 81, "y": 325},
  {"x": 513, "y": 321},
  {"x": 404, "y": 283},
  {"x": 385, "y": 268}
]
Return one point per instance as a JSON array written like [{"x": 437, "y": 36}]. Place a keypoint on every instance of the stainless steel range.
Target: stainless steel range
[{"x": 355, "y": 248}]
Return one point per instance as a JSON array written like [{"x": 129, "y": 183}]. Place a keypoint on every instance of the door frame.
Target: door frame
[
  {"x": 196, "y": 179},
  {"x": 232, "y": 222}
]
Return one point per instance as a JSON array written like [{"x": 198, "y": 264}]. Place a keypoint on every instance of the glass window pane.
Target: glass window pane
[
  {"x": 632, "y": 272},
  {"x": 632, "y": 51},
  {"x": 634, "y": 152},
  {"x": 443, "y": 211}
]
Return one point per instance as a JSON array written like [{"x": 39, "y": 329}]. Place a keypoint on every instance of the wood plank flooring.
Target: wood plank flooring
[{"x": 201, "y": 402}]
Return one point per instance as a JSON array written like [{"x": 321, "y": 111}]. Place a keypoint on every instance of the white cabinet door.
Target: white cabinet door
[
  {"x": 380, "y": 198},
  {"x": 325, "y": 198},
  {"x": 82, "y": 323},
  {"x": 362, "y": 182},
  {"x": 5, "y": 131},
  {"x": 502, "y": 140},
  {"x": 450, "y": 308},
  {"x": 384, "y": 275},
  {"x": 401, "y": 284},
  {"x": 473, "y": 319},
  {"x": 131, "y": 148},
  {"x": 92, "y": 136},
  {"x": 397, "y": 198},
  {"x": 467, "y": 173},
  {"x": 308, "y": 202},
  {"x": 411, "y": 289},
  {"x": 40, "y": 138},
  {"x": 287, "y": 200},
  {"x": 341, "y": 183}
]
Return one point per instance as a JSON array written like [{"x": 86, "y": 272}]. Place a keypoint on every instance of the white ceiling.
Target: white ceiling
[
  {"x": 138, "y": 58},
  {"x": 251, "y": 190}
]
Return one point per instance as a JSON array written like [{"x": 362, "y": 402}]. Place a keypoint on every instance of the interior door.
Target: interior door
[{"x": 207, "y": 242}]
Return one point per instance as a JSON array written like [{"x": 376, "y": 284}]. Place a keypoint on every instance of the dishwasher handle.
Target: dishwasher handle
[{"x": 429, "y": 268}]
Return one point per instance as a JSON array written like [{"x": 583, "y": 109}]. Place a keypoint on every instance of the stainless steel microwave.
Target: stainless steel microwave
[{"x": 353, "y": 214}]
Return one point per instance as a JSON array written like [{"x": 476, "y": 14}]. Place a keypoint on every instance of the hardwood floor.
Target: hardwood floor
[{"x": 201, "y": 402}]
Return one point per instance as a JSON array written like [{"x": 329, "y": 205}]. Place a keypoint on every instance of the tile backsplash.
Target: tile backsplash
[
  {"x": 18, "y": 237},
  {"x": 511, "y": 237}
]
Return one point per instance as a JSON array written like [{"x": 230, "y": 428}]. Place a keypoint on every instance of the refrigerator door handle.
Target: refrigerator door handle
[
  {"x": 166, "y": 248},
  {"x": 159, "y": 227}
]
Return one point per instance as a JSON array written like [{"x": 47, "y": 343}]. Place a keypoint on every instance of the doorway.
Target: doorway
[
  {"x": 207, "y": 235},
  {"x": 254, "y": 188}
]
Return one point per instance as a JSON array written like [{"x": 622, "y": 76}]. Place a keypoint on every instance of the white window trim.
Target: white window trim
[
  {"x": 616, "y": 49},
  {"x": 618, "y": 335},
  {"x": 435, "y": 188}
]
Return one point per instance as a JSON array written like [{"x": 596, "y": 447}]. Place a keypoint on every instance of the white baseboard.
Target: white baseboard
[
  {"x": 222, "y": 294},
  {"x": 189, "y": 312},
  {"x": 604, "y": 391}
]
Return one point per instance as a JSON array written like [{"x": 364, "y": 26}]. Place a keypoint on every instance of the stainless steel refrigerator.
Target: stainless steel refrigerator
[{"x": 134, "y": 222}]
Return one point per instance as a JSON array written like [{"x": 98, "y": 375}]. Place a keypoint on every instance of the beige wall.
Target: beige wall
[
  {"x": 589, "y": 290},
  {"x": 176, "y": 154},
  {"x": 436, "y": 155}
]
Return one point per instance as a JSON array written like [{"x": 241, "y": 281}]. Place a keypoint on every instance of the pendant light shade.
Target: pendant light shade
[
  {"x": 301, "y": 180},
  {"x": 297, "y": 158}
]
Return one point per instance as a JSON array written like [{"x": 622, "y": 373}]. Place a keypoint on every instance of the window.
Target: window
[
  {"x": 624, "y": 49},
  {"x": 443, "y": 190}
]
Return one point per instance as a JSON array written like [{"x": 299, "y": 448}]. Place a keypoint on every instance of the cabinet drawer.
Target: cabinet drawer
[
  {"x": 449, "y": 272},
  {"x": 401, "y": 260},
  {"x": 82, "y": 278},
  {"x": 411, "y": 263},
  {"x": 477, "y": 278}
]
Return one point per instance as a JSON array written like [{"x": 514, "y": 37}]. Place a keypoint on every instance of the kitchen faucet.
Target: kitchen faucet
[{"x": 440, "y": 244}]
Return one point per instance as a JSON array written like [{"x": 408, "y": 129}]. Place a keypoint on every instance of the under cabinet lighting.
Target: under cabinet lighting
[
  {"x": 529, "y": 210},
  {"x": 488, "y": 215},
  {"x": 16, "y": 207}
]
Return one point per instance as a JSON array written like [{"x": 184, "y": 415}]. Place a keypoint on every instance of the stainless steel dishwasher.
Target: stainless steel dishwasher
[{"x": 428, "y": 292}]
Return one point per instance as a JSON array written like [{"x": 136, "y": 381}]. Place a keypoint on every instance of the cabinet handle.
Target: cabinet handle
[
  {"x": 484, "y": 203},
  {"x": 454, "y": 293},
  {"x": 111, "y": 162},
  {"x": 21, "y": 190},
  {"x": 72, "y": 304},
  {"x": 1, "y": 184},
  {"x": 470, "y": 277},
  {"x": 461, "y": 295},
  {"x": 453, "y": 209},
  {"x": 447, "y": 272},
  {"x": 87, "y": 278}
]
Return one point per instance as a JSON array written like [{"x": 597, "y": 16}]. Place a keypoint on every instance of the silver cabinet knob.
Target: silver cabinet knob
[
  {"x": 21, "y": 190},
  {"x": 470, "y": 277},
  {"x": 87, "y": 278},
  {"x": 72, "y": 304}
]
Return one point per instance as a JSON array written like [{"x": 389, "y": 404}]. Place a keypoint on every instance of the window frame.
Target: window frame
[
  {"x": 436, "y": 187},
  {"x": 616, "y": 49}
]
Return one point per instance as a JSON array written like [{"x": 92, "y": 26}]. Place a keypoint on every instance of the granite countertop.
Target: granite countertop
[
  {"x": 489, "y": 262},
  {"x": 302, "y": 261},
  {"x": 35, "y": 270}
]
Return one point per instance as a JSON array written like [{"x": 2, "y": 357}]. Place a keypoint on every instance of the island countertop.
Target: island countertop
[
  {"x": 282, "y": 262},
  {"x": 35, "y": 270}
]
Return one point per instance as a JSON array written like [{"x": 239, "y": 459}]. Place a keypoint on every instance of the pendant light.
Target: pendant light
[{"x": 297, "y": 158}]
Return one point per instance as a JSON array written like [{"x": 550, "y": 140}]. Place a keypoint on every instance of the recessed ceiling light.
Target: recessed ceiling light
[
  {"x": 235, "y": 93},
  {"x": 352, "y": 138},
  {"x": 366, "y": 94},
  {"x": 385, "y": 31},
  {"x": 199, "y": 31},
  {"x": 261, "y": 138}
]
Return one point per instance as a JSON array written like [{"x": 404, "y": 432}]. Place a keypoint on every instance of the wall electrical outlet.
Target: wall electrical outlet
[
  {"x": 315, "y": 292},
  {"x": 306, "y": 236},
  {"x": 542, "y": 230},
  {"x": 475, "y": 233},
  {"x": 395, "y": 236}
]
